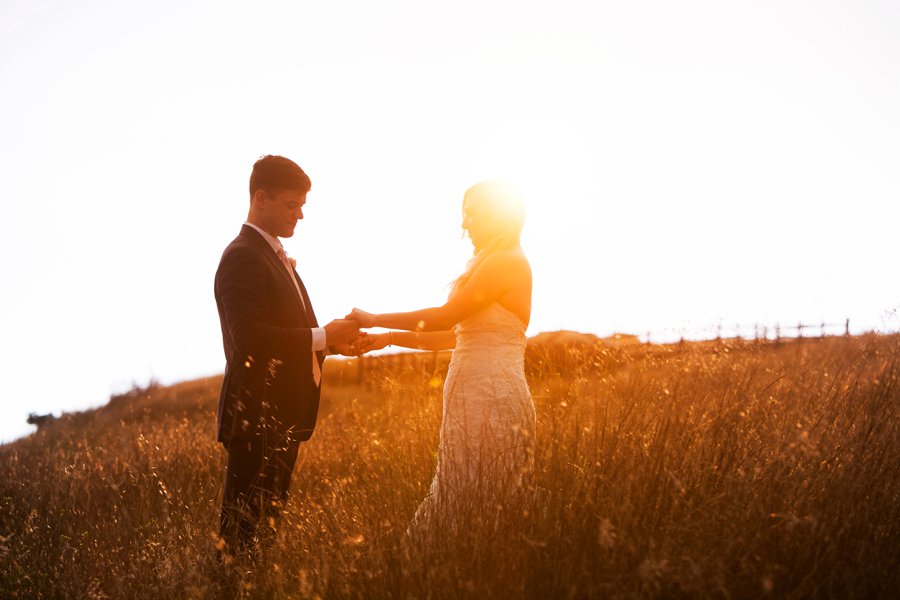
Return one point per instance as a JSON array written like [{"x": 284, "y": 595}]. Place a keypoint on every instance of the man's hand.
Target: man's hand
[{"x": 341, "y": 332}]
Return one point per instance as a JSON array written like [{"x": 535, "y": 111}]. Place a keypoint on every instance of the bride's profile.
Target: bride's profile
[{"x": 487, "y": 431}]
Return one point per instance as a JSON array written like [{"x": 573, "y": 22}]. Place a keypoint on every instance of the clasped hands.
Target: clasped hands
[{"x": 345, "y": 337}]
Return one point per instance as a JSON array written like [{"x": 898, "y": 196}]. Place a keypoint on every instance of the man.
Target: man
[{"x": 274, "y": 351}]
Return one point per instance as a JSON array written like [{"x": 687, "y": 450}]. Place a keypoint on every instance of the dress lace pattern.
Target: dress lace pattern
[{"x": 487, "y": 430}]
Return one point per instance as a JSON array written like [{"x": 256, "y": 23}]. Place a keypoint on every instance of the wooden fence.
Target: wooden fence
[
  {"x": 359, "y": 369},
  {"x": 758, "y": 332}
]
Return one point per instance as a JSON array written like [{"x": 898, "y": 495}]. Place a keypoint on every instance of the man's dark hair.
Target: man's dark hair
[{"x": 276, "y": 173}]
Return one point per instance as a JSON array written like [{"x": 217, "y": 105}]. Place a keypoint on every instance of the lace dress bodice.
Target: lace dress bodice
[{"x": 494, "y": 333}]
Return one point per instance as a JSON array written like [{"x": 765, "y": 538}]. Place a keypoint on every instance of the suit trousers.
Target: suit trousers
[{"x": 257, "y": 480}]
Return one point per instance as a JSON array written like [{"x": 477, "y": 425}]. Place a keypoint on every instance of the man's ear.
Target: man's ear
[{"x": 259, "y": 197}]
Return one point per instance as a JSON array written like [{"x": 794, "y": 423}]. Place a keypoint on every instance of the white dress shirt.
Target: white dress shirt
[{"x": 319, "y": 342}]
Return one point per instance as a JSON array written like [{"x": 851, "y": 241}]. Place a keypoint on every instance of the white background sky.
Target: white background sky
[{"x": 686, "y": 164}]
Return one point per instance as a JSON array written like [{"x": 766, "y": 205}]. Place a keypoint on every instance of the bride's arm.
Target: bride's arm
[
  {"x": 490, "y": 281},
  {"x": 417, "y": 340}
]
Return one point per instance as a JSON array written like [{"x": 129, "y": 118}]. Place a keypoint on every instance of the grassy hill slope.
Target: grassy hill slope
[{"x": 705, "y": 469}]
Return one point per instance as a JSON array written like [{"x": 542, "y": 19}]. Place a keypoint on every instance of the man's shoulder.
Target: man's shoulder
[
  {"x": 241, "y": 248},
  {"x": 247, "y": 238}
]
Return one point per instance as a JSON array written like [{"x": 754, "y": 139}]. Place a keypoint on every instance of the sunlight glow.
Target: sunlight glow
[{"x": 684, "y": 167}]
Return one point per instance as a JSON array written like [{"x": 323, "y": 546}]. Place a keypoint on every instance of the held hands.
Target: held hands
[
  {"x": 364, "y": 319},
  {"x": 345, "y": 337},
  {"x": 367, "y": 342},
  {"x": 342, "y": 332},
  {"x": 372, "y": 341}
]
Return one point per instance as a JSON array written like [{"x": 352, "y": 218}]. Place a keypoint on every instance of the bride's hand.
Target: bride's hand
[
  {"x": 372, "y": 341},
  {"x": 364, "y": 319}
]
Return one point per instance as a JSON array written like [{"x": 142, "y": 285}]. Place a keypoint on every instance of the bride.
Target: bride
[{"x": 487, "y": 431}]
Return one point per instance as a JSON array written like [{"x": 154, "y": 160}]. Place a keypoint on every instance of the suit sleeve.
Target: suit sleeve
[{"x": 241, "y": 288}]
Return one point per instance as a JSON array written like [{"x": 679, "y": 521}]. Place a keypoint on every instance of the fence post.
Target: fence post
[
  {"x": 361, "y": 369},
  {"x": 847, "y": 327}
]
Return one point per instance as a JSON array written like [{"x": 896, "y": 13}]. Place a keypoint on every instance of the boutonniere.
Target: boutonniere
[{"x": 293, "y": 262}]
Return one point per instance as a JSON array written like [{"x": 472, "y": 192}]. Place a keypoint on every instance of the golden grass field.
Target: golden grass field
[{"x": 725, "y": 470}]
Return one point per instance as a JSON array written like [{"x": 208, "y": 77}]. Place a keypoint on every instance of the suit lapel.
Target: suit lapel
[
  {"x": 310, "y": 314},
  {"x": 283, "y": 274}
]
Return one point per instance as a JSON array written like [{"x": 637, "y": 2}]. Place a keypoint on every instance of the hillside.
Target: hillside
[{"x": 730, "y": 469}]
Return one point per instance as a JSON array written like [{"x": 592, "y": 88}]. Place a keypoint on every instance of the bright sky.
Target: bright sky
[{"x": 686, "y": 164}]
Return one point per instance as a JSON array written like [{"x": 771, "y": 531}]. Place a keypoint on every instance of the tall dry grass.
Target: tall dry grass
[{"x": 734, "y": 470}]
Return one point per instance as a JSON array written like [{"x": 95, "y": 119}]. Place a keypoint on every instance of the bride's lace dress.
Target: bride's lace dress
[{"x": 487, "y": 432}]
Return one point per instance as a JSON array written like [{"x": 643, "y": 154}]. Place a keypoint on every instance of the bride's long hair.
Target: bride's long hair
[{"x": 501, "y": 214}]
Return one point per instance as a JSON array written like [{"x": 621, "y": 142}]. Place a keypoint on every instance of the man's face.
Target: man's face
[{"x": 281, "y": 211}]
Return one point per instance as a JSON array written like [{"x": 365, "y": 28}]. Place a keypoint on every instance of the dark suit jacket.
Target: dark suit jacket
[{"x": 267, "y": 335}]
